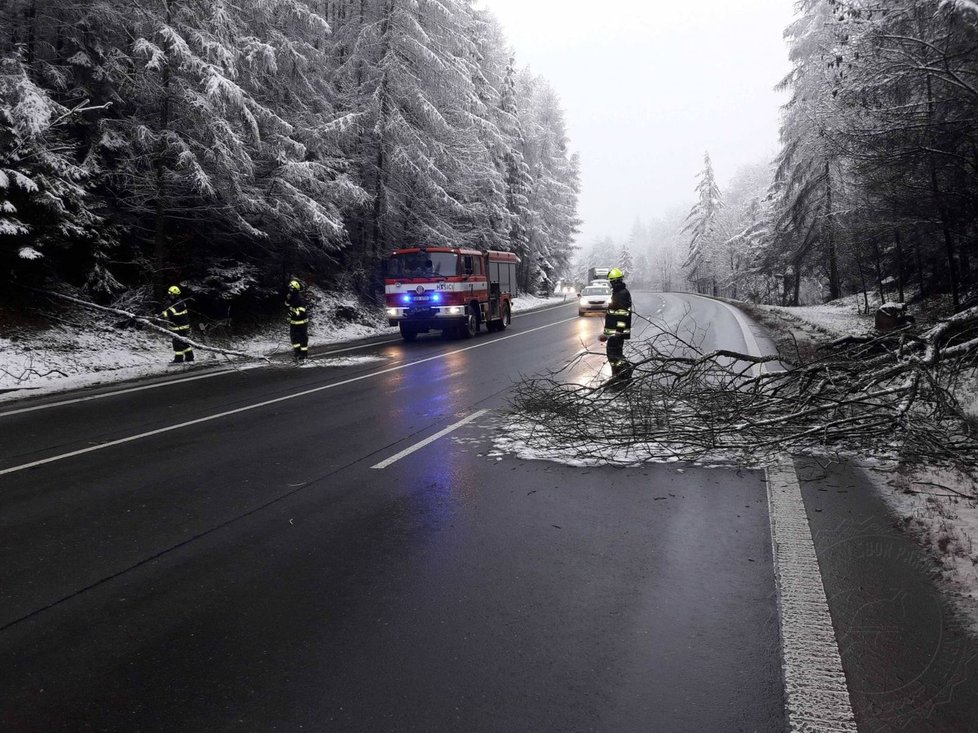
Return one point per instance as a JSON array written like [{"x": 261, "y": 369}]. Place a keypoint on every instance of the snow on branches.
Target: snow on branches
[{"x": 890, "y": 395}]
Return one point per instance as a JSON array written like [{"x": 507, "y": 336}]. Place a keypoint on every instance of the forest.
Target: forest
[
  {"x": 875, "y": 187},
  {"x": 230, "y": 146}
]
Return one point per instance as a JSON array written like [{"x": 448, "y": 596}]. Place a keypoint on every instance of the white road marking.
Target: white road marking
[
  {"x": 102, "y": 395},
  {"x": 431, "y": 439},
  {"x": 816, "y": 692},
  {"x": 243, "y": 367},
  {"x": 246, "y": 408},
  {"x": 181, "y": 380}
]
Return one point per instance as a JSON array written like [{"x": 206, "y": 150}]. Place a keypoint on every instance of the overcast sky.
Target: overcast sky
[{"x": 648, "y": 86}]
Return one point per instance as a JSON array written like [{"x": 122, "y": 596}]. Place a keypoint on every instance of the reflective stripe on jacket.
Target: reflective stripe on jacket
[
  {"x": 297, "y": 309},
  {"x": 177, "y": 315},
  {"x": 618, "y": 318}
]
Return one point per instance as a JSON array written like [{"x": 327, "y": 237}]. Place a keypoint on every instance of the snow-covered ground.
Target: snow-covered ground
[
  {"x": 938, "y": 507},
  {"x": 89, "y": 349}
]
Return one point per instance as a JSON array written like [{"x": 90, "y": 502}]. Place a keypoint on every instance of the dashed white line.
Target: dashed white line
[
  {"x": 431, "y": 439},
  {"x": 265, "y": 403}
]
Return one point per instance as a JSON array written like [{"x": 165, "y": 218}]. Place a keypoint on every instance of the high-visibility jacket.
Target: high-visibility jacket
[
  {"x": 297, "y": 308},
  {"x": 178, "y": 317},
  {"x": 618, "y": 318}
]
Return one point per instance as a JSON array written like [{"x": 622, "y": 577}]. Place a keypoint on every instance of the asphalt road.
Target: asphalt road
[{"x": 281, "y": 549}]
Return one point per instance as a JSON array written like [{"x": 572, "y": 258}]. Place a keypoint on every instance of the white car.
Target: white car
[{"x": 594, "y": 298}]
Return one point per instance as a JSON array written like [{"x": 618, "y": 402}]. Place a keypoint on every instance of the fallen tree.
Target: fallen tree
[
  {"x": 159, "y": 325},
  {"x": 890, "y": 395}
]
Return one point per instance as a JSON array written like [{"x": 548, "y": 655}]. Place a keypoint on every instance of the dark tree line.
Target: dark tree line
[{"x": 876, "y": 183}]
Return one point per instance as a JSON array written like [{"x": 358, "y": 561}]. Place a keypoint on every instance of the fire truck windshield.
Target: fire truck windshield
[{"x": 423, "y": 264}]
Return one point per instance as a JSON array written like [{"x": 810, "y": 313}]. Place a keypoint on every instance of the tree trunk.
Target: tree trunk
[
  {"x": 862, "y": 280},
  {"x": 899, "y": 262},
  {"x": 160, "y": 253},
  {"x": 920, "y": 262},
  {"x": 952, "y": 274},
  {"x": 879, "y": 271},
  {"x": 30, "y": 52},
  {"x": 834, "y": 290}
]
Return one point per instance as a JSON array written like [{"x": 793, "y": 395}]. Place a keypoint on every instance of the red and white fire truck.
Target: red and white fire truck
[{"x": 452, "y": 289}]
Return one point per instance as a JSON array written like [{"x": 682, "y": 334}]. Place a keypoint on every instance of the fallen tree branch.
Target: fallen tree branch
[
  {"x": 890, "y": 395},
  {"x": 149, "y": 323}
]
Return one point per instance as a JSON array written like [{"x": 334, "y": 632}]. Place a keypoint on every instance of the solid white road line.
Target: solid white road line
[
  {"x": 242, "y": 368},
  {"x": 246, "y": 408},
  {"x": 816, "y": 693},
  {"x": 103, "y": 395},
  {"x": 431, "y": 439}
]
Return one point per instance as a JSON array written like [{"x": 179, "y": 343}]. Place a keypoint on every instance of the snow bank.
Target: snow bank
[{"x": 92, "y": 351}]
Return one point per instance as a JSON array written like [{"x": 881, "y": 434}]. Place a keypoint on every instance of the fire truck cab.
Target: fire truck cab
[{"x": 451, "y": 289}]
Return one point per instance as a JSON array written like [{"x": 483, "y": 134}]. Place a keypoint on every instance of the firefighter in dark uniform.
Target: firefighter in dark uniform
[
  {"x": 176, "y": 314},
  {"x": 298, "y": 321},
  {"x": 617, "y": 328}
]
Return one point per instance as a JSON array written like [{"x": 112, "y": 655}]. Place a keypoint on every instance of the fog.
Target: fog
[{"x": 648, "y": 88}]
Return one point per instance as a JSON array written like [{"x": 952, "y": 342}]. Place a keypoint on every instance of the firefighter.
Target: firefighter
[
  {"x": 176, "y": 314},
  {"x": 617, "y": 328},
  {"x": 298, "y": 321}
]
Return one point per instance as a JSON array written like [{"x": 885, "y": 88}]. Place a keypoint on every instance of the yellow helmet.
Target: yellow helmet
[
  {"x": 295, "y": 285},
  {"x": 616, "y": 274},
  {"x": 173, "y": 290}
]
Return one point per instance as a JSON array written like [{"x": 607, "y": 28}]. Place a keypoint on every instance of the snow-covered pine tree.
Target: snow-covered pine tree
[
  {"x": 624, "y": 260},
  {"x": 905, "y": 124},
  {"x": 702, "y": 225},
  {"x": 301, "y": 191},
  {"x": 518, "y": 180},
  {"x": 213, "y": 144},
  {"x": 808, "y": 160},
  {"x": 480, "y": 172},
  {"x": 555, "y": 176},
  {"x": 45, "y": 210},
  {"x": 402, "y": 77}
]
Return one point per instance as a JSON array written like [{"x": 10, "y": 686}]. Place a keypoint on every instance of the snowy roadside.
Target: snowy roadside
[
  {"x": 937, "y": 507},
  {"x": 91, "y": 351}
]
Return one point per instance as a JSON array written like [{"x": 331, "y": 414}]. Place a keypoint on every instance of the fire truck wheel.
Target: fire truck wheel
[
  {"x": 408, "y": 333},
  {"x": 506, "y": 319},
  {"x": 470, "y": 326}
]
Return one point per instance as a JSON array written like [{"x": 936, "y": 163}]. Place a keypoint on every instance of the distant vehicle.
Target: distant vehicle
[
  {"x": 598, "y": 273},
  {"x": 451, "y": 289},
  {"x": 594, "y": 299},
  {"x": 564, "y": 288}
]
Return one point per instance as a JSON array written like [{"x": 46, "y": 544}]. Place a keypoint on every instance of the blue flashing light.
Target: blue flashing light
[
  {"x": 436, "y": 297},
  {"x": 406, "y": 298}
]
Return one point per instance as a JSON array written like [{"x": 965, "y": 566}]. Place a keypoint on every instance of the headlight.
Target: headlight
[{"x": 392, "y": 312}]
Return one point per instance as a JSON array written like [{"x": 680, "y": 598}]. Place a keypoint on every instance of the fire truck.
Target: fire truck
[{"x": 451, "y": 289}]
